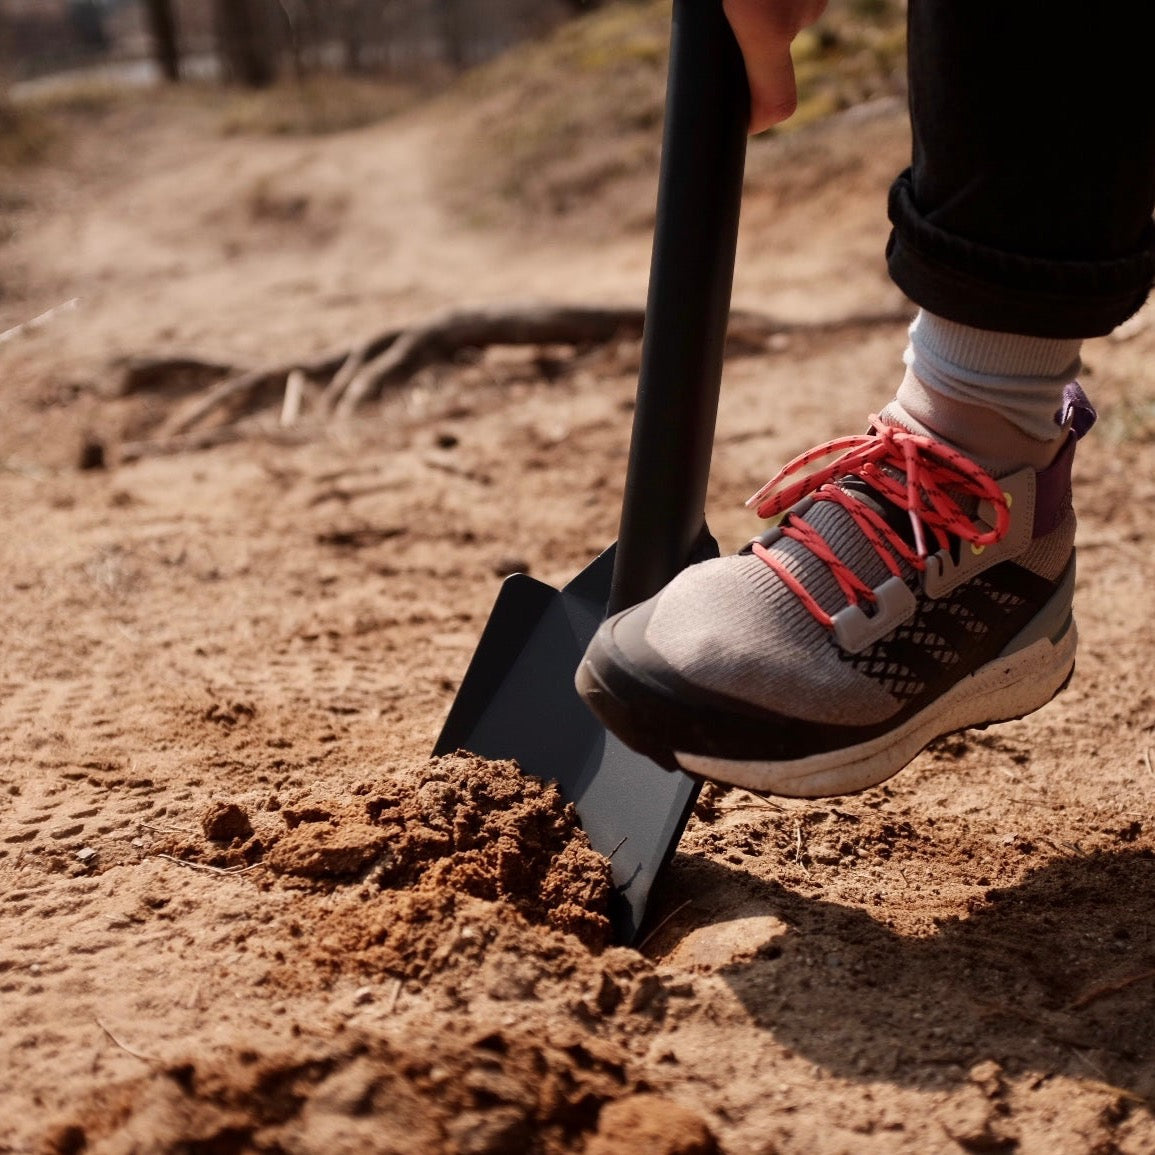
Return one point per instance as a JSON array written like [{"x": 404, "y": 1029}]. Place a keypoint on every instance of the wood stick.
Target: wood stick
[{"x": 294, "y": 394}]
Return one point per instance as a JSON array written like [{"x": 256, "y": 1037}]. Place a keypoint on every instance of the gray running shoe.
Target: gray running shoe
[{"x": 904, "y": 594}]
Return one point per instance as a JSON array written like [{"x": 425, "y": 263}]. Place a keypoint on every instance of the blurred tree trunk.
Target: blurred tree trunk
[
  {"x": 88, "y": 21},
  {"x": 451, "y": 19},
  {"x": 245, "y": 41},
  {"x": 165, "y": 46},
  {"x": 311, "y": 33},
  {"x": 351, "y": 30}
]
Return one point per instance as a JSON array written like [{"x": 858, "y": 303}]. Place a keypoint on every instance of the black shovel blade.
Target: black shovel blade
[{"x": 518, "y": 701}]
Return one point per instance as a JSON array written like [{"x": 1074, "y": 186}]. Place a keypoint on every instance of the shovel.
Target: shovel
[{"x": 517, "y": 699}]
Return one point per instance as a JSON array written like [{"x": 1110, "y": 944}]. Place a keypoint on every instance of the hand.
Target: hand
[{"x": 765, "y": 29}]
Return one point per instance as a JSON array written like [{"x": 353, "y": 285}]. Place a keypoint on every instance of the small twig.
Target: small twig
[
  {"x": 798, "y": 846},
  {"x": 353, "y": 365},
  {"x": 396, "y": 995},
  {"x": 755, "y": 800},
  {"x": 230, "y": 388},
  {"x": 166, "y": 829},
  {"x": 125, "y": 1047},
  {"x": 1099, "y": 992},
  {"x": 37, "y": 322},
  {"x": 1147, "y": 759},
  {"x": 625, "y": 839},
  {"x": 206, "y": 867},
  {"x": 448, "y": 334},
  {"x": 1103, "y": 1082},
  {"x": 294, "y": 394},
  {"x": 673, "y": 913}
]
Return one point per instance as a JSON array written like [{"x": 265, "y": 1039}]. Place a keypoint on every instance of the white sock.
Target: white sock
[{"x": 993, "y": 394}]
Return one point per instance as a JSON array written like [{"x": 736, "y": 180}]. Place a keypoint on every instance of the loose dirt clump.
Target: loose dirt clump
[
  {"x": 652, "y": 1124},
  {"x": 456, "y": 890},
  {"x": 226, "y": 822},
  {"x": 458, "y": 826},
  {"x": 483, "y": 1093},
  {"x": 421, "y": 843}
]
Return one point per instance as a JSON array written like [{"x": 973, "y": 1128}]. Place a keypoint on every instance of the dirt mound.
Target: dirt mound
[
  {"x": 485, "y": 1093},
  {"x": 420, "y": 844},
  {"x": 457, "y": 890}
]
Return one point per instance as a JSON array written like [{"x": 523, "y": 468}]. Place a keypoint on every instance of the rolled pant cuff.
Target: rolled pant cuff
[{"x": 973, "y": 284}]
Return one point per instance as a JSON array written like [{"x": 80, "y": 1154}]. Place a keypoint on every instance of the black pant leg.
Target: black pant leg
[{"x": 1028, "y": 204}]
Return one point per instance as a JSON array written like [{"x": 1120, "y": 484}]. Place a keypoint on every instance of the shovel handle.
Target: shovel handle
[{"x": 691, "y": 276}]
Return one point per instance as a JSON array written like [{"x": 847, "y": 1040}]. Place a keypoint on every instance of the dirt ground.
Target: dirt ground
[{"x": 242, "y": 910}]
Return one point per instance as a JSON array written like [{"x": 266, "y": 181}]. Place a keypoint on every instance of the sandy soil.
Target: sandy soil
[{"x": 242, "y": 910}]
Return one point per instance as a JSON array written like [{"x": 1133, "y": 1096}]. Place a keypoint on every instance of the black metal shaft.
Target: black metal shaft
[{"x": 691, "y": 276}]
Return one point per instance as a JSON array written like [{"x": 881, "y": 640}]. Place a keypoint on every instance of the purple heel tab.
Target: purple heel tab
[
  {"x": 1053, "y": 484},
  {"x": 1077, "y": 413}
]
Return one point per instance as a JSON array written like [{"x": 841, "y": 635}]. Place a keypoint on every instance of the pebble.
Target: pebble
[{"x": 825, "y": 854}]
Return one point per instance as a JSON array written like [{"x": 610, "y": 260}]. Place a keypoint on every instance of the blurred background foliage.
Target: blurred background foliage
[{"x": 564, "y": 96}]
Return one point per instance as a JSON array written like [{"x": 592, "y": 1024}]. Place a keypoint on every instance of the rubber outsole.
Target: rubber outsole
[
  {"x": 1001, "y": 691},
  {"x": 1009, "y": 687}
]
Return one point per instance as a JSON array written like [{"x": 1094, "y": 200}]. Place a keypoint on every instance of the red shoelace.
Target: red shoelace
[{"x": 932, "y": 479}]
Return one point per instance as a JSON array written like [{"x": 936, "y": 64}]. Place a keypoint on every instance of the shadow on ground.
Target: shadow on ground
[{"x": 1053, "y": 976}]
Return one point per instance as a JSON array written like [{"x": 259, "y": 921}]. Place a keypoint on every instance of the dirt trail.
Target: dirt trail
[{"x": 222, "y": 673}]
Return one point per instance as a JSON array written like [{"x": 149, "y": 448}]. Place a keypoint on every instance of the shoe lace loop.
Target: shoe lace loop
[{"x": 928, "y": 479}]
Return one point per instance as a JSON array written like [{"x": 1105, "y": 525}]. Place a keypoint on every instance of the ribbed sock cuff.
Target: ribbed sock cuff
[{"x": 1020, "y": 378}]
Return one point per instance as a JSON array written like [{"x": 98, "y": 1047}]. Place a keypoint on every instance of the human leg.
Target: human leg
[
  {"x": 1024, "y": 221},
  {"x": 1027, "y": 205},
  {"x": 923, "y": 583}
]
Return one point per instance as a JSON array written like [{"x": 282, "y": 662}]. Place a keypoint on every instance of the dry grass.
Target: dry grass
[
  {"x": 559, "y": 120},
  {"x": 315, "y": 106},
  {"x": 564, "y": 121}
]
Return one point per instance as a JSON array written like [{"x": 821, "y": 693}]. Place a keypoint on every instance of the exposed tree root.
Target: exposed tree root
[{"x": 345, "y": 379}]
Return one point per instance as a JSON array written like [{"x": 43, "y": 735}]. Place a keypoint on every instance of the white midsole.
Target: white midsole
[{"x": 1009, "y": 687}]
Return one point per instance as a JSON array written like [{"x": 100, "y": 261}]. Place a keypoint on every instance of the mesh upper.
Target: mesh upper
[{"x": 733, "y": 627}]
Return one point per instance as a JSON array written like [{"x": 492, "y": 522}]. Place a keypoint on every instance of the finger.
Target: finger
[
  {"x": 773, "y": 90},
  {"x": 764, "y": 30}
]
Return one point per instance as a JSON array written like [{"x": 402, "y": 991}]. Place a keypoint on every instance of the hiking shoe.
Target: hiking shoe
[{"x": 905, "y": 594}]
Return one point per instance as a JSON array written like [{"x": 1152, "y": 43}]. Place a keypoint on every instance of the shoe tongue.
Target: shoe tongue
[
  {"x": 896, "y": 414},
  {"x": 848, "y": 541},
  {"x": 844, "y": 536}
]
